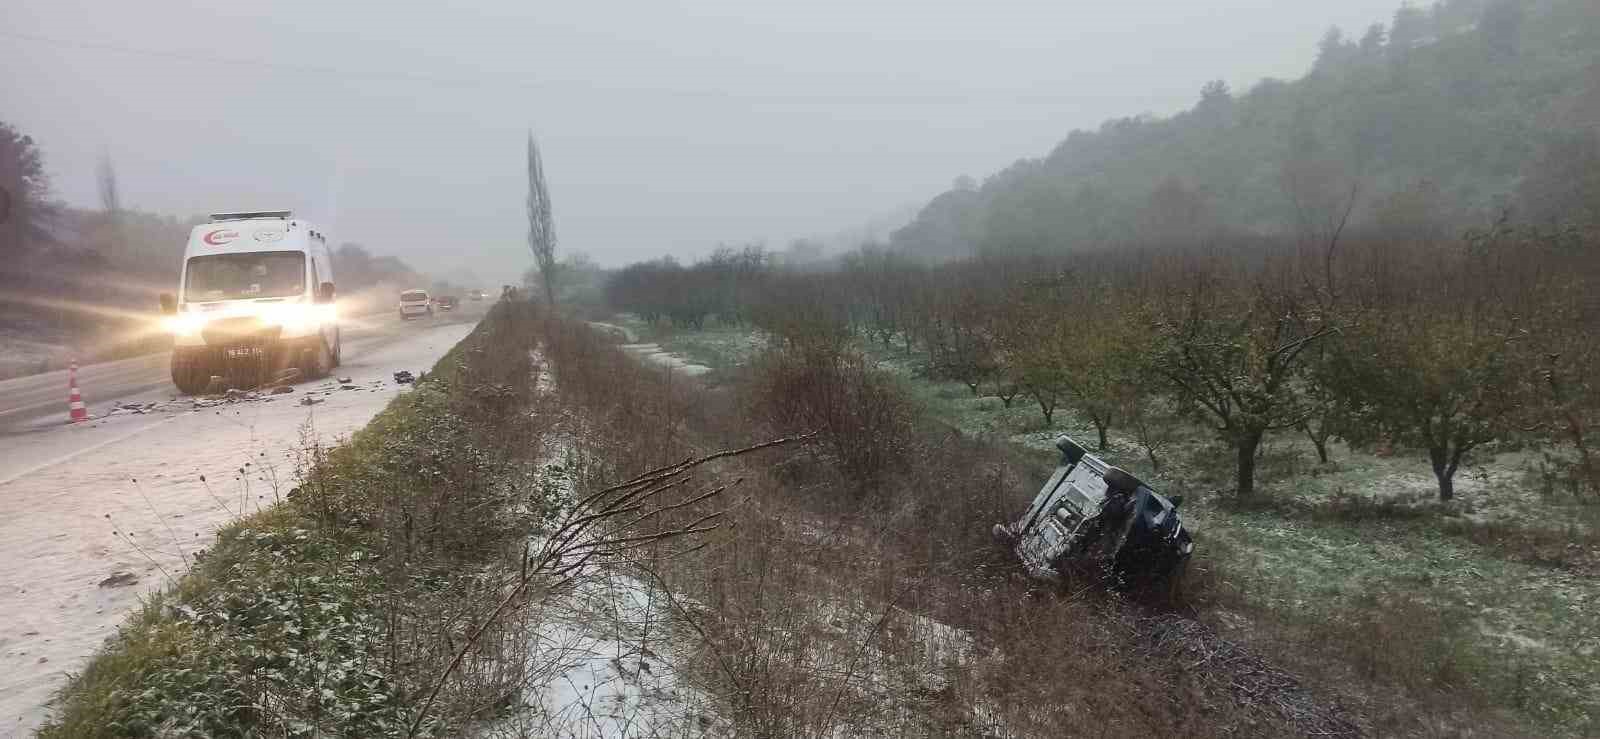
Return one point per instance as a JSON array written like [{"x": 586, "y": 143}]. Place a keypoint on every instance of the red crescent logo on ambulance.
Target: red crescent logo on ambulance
[{"x": 220, "y": 236}]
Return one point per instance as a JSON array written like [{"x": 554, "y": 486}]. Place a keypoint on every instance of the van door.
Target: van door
[{"x": 330, "y": 332}]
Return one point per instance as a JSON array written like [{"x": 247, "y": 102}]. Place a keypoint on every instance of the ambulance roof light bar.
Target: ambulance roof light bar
[{"x": 252, "y": 215}]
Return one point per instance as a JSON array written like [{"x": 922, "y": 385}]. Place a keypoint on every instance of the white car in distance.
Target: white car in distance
[{"x": 415, "y": 304}]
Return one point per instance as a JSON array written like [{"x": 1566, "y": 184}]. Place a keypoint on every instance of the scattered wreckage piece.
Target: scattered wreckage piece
[
  {"x": 404, "y": 377},
  {"x": 1090, "y": 513}
]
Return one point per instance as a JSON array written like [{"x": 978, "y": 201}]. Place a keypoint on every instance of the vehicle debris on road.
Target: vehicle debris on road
[
  {"x": 124, "y": 408},
  {"x": 119, "y": 579},
  {"x": 404, "y": 377}
]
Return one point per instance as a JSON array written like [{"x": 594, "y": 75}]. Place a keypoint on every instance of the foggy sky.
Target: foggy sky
[{"x": 665, "y": 126}]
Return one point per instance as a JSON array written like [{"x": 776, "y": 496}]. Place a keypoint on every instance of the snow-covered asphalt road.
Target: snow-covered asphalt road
[{"x": 80, "y": 540}]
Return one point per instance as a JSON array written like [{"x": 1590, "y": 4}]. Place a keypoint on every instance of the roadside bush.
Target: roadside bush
[
  {"x": 864, "y": 418},
  {"x": 957, "y": 488}
]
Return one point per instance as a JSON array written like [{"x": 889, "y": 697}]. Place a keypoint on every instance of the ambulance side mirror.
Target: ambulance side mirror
[
  {"x": 169, "y": 303},
  {"x": 325, "y": 293}
]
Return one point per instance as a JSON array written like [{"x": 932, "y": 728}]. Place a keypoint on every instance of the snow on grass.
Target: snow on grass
[
  {"x": 654, "y": 354},
  {"x": 601, "y": 656},
  {"x": 605, "y": 667},
  {"x": 1503, "y": 612},
  {"x": 715, "y": 348},
  {"x": 887, "y": 656}
]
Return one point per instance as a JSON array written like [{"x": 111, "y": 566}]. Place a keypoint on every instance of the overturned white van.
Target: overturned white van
[{"x": 255, "y": 298}]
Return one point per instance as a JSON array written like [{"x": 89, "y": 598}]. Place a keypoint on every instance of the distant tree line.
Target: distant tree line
[
  {"x": 719, "y": 288},
  {"x": 358, "y": 269}
]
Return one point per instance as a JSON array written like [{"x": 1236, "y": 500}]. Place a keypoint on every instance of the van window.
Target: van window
[
  {"x": 412, "y": 296},
  {"x": 262, "y": 274}
]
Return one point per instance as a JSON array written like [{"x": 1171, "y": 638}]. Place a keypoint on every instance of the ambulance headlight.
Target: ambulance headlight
[
  {"x": 296, "y": 317},
  {"x": 184, "y": 324}
]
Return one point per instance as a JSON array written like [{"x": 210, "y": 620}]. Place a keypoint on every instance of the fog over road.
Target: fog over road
[{"x": 70, "y": 513}]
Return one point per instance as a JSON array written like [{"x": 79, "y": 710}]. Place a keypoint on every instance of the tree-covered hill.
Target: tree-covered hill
[{"x": 1444, "y": 117}]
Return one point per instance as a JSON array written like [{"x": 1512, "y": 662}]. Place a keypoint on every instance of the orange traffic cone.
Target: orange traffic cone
[{"x": 75, "y": 408}]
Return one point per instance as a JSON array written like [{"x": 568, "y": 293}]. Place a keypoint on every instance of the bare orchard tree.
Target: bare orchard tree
[
  {"x": 541, "y": 222},
  {"x": 1234, "y": 343},
  {"x": 1449, "y": 363}
]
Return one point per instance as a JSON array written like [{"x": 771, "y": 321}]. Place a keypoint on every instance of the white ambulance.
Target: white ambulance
[{"x": 255, "y": 298}]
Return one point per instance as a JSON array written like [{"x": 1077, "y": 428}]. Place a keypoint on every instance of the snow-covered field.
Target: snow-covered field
[{"x": 95, "y": 515}]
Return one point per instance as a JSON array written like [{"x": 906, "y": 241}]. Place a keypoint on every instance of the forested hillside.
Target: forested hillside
[{"x": 1446, "y": 117}]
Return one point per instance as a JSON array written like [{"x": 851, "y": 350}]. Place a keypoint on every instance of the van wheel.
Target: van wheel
[
  {"x": 190, "y": 371},
  {"x": 318, "y": 361}
]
